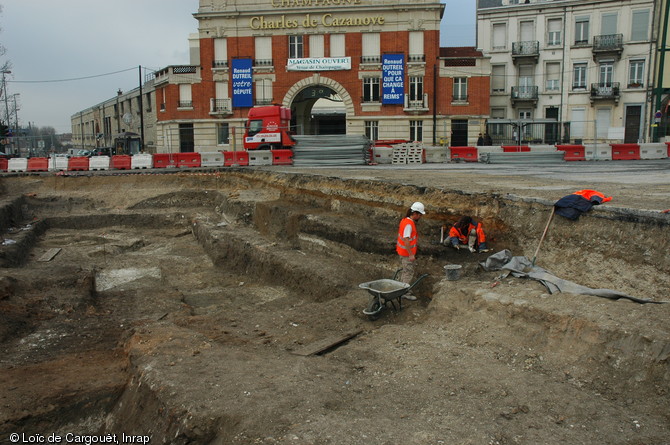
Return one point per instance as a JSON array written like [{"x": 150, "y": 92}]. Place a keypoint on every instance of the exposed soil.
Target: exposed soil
[{"x": 180, "y": 306}]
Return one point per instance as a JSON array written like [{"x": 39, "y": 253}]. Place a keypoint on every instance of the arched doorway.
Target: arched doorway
[
  {"x": 318, "y": 109},
  {"x": 319, "y": 105}
]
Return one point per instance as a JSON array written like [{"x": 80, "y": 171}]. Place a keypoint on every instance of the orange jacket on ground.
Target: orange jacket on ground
[
  {"x": 400, "y": 245},
  {"x": 593, "y": 195}
]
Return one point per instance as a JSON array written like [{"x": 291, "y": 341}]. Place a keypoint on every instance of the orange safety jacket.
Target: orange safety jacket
[
  {"x": 463, "y": 237},
  {"x": 400, "y": 245},
  {"x": 593, "y": 195}
]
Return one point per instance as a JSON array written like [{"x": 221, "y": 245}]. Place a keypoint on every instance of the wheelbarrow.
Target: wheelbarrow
[{"x": 386, "y": 291}]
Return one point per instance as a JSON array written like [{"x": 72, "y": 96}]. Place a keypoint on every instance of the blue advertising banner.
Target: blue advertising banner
[
  {"x": 393, "y": 79},
  {"x": 242, "y": 72}
]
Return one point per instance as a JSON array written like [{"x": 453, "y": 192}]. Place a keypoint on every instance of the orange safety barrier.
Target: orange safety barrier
[
  {"x": 38, "y": 164},
  {"x": 468, "y": 154},
  {"x": 162, "y": 160},
  {"x": 235, "y": 157},
  {"x": 515, "y": 148},
  {"x": 668, "y": 145},
  {"x": 121, "y": 162},
  {"x": 4, "y": 164},
  {"x": 625, "y": 152},
  {"x": 573, "y": 152},
  {"x": 190, "y": 159},
  {"x": 77, "y": 163},
  {"x": 282, "y": 157}
]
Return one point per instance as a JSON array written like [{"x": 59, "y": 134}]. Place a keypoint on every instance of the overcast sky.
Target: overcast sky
[{"x": 68, "y": 55}]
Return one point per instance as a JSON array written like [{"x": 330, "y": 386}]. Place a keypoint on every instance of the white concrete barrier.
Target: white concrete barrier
[
  {"x": 436, "y": 155},
  {"x": 98, "y": 163},
  {"x": 212, "y": 159},
  {"x": 260, "y": 157},
  {"x": 382, "y": 155},
  {"x": 653, "y": 151},
  {"x": 598, "y": 152},
  {"x": 17, "y": 165},
  {"x": 58, "y": 163},
  {"x": 141, "y": 161}
]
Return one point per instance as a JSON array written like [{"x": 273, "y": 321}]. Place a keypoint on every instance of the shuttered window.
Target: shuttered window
[
  {"x": 371, "y": 51},
  {"x": 554, "y": 31},
  {"x": 609, "y": 23},
  {"x": 316, "y": 46},
  {"x": 499, "y": 36},
  {"x": 337, "y": 45},
  {"x": 498, "y": 78},
  {"x": 263, "y": 50},
  {"x": 553, "y": 76},
  {"x": 640, "y": 25},
  {"x": 581, "y": 30},
  {"x": 220, "y": 52},
  {"x": 416, "y": 52}
]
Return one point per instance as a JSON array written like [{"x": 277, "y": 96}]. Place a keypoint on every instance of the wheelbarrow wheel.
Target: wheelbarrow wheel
[{"x": 374, "y": 309}]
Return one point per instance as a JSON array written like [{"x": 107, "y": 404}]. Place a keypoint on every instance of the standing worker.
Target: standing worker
[{"x": 407, "y": 244}]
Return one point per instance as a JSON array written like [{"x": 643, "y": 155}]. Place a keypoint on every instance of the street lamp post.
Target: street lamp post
[
  {"x": 16, "y": 120},
  {"x": 4, "y": 88}
]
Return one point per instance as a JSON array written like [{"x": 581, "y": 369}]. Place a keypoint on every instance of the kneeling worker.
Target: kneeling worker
[{"x": 467, "y": 232}]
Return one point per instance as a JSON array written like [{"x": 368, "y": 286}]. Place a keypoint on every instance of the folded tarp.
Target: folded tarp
[{"x": 522, "y": 267}]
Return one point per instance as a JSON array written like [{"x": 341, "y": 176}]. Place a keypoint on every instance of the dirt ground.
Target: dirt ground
[{"x": 182, "y": 308}]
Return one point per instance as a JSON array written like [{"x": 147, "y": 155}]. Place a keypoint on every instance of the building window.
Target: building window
[
  {"x": 416, "y": 51},
  {"x": 263, "y": 92},
  {"x": 640, "y": 25},
  {"x": 295, "y": 47},
  {"x": 606, "y": 74},
  {"x": 636, "y": 74},
  {"x": 263, "y": 51},
  {"x": 149, "y": 106},
  {"x": 581, "y": 31},
  {"x": 608, "y": 23},
  {"x": 337, "y": 46},
  {"x": 554, "y": 27},
  {"x": 498, "y": 78},
  {"x": 416, "y": 88},
  {"x": 372, "y": 130},
  {"x": 185, "y": 99},
  {"x": 553, "y": 76},
  {"x": 222, "y": 134},
  {"x": 416, "y": 131},
  {"x": 316, "y": 46},
  {"x": 460, "y": 89},
  {"x": 497, "y": 129},
  {"x": 579, "y": 76},
  {"x": 371, "y": 48},
  {"x": 220, "y": 53},
  {"x": 371, "y": 89},
  {"x": 499, "y": 34}
]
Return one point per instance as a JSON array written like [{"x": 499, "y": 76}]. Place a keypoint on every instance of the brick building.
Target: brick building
[{"x": 371, "y": 67}]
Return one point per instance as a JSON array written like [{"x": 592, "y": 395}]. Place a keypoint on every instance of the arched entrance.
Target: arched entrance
[{"x": 318, "y": 106}]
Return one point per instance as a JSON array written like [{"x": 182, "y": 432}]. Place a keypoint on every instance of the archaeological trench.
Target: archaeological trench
[{"x": 189, "y": 308}]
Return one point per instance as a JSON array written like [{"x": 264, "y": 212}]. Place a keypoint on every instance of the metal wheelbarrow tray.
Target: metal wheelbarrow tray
[{"x": 385, "y": 291}]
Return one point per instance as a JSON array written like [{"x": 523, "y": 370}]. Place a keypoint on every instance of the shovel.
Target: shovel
[{"x": 546, "y": 228}]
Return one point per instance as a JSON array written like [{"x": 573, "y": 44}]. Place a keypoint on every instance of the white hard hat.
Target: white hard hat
[{"x": 418, "y": 207}]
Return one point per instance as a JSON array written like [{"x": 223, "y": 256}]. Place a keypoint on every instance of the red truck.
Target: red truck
[{"x": 268, "y": 128}]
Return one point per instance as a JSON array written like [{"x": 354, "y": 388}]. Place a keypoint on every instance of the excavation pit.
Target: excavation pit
[{"x": 176, "y": 302}]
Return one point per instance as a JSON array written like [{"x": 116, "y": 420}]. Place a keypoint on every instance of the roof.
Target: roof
[{"x": 460, "y": 52}]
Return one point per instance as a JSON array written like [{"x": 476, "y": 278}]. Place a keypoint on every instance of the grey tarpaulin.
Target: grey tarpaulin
[{"x": 522, "y": 267}]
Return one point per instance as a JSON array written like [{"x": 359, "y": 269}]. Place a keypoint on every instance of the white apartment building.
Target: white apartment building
[{"x": 569, "y": 70}]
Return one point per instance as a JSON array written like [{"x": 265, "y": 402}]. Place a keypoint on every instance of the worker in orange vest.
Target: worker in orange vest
[
  {"x": 467, "y": 232},
  {"x": 407, "y": 243}
]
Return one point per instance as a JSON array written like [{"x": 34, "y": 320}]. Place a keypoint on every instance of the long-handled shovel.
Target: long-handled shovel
[{"x": 546, "y": 228}]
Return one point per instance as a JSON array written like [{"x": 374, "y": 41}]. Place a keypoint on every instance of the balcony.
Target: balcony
[
  {"x": 220, "y": 64},
  {"x": 605, "y": 91},
  {"x": 525, "y": 51},
  {"x": 414, "y": 105},
  {"x": 371, "y": 59},
  {"x": 220, "y": 107},
  {"x": 185, "y": 105},
  {"x": 178, "y": 74},
  {"x": 610, "y": 45},
  {"x": 416, "y": 58},
  {"x": 525, "y": 94}
]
